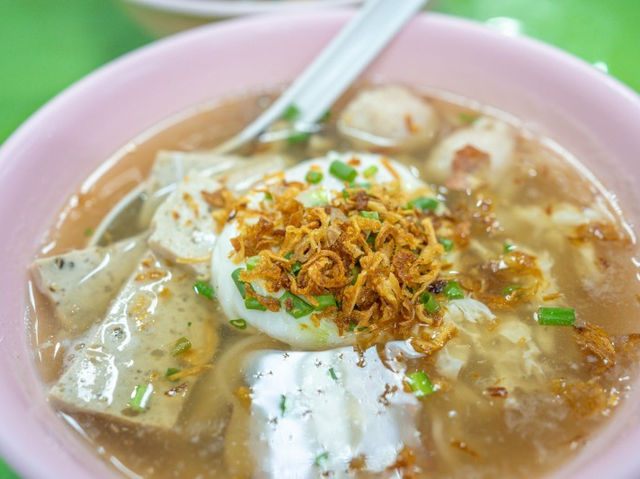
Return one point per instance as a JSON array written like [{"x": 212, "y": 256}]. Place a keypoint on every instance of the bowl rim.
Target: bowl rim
[
  {"x": 230, "y": 8},
  {"x": 14, "y": 454}
]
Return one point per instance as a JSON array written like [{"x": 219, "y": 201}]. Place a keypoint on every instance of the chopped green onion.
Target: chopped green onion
[
  {"x": 345, "y": 194},
  {"x": 238, "y": 323},
  {"x": 467, "y": 118},
  {"x": 241, "y": 285},
  {"x": 420, "y": 383},
  {"x": 333, "y": 375},
  {"x": 321, "y": 459},
  {"x": 369, "y": 172},
  {"x": 315, "y": 198},
  {"x": 342, "y": 171},
  {"x": 447, "y": 243},
  {"x": 355, "y": 271},
  {"x": 140, "y": 397},
  {"x": 355, "y": 185},
  {"x": 298, "y": 137},
  {"x": 189, "y": 323},
  {"x": 253, "y": 303},
  {"x": 88, "y": 231},
  {"x": 253, "y": 262},
  {"x": 510, "y": 289},
  {"x": 294, "y": 305},
  {"x": 171, "y": 372},
  {"x": 423, "y": 203},
  {"x": 283, "y": 403},
  {"x": 204, "y": 289},
  {"x": 325, "y": 117},
  {"x": 362, "y": 328},
  {"x": 508, "y": 248},
  {"x": 324, "y": 301},
  {"x": 352, "y": 327},
  {"x": 556, "y": 316},
  {"x": 182, "y": 345},
  {"x": 430, "y": 302},
  {"x": 291, "y": 113},
  {"x": 314, "y": 177},
  {"x": 295, "y": 268},
  {"x": 268, "y": 196},
  {"x": 372, "y": 215},
  {"x": 371, "y": 240},
  {"x": 453, "y": 290}
]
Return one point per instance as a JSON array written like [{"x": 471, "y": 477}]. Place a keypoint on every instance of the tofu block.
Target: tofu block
[
  {"x": 135, "y": 346},
  {"x": 313, "y": 413},
  {"x": 81, "y": 283},
  {"x": 182, "y": 228}
]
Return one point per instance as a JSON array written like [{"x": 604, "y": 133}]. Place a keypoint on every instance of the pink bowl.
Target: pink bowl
[{"x": 590, "y": 114}]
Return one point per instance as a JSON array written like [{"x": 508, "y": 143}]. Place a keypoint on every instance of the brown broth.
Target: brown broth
[{"x": 466, "y": 432}]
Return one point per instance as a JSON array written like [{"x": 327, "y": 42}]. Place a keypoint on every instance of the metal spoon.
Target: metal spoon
[{"x": 317, "y": 88}]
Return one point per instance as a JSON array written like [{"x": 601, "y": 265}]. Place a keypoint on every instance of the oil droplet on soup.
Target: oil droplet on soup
[{"x": 416, "y": 287}]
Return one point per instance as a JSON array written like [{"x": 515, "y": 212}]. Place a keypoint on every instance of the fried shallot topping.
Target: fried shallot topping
[{"x": 367, "y": 247}]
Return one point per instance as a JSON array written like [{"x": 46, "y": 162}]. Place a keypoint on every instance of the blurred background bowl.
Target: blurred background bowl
[{"x": 169, "y": 16}]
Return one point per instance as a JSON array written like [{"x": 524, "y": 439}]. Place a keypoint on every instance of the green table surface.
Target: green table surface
[{"x": 48, "y": 44}]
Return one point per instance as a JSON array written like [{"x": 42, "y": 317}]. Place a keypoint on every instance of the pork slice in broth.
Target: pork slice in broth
[
  {"x": 156, "y": 326},
  {"x": 80, "y": 284}
]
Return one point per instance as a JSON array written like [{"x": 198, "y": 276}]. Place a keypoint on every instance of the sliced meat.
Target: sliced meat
[
  {"x": 134, "y": 347},
  {"x": 81, "y": 283},
  {"x": 182, "y": 228}
]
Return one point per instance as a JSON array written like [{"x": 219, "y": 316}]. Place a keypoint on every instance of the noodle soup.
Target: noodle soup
[{"x": 417, "y": 288}]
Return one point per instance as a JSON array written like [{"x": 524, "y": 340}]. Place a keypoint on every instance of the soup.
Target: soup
[{"x": 416, "y": 289}]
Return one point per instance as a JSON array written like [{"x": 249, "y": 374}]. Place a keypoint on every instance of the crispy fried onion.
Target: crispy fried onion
[{"x": 376, "y": 264}]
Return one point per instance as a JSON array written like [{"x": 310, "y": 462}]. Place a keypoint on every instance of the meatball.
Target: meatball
[
  {"x": 390, "y": 118},
  {"x": 475, "y": 154}
]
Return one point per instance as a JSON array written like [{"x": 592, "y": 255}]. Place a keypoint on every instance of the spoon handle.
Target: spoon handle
[{"x": 335, "y": 68}]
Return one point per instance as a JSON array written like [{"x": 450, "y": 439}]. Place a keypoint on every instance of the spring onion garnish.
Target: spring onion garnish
[
  {"x": 369, "y": 172},
  {"x": 420, "y": 384},
  {"x": 253, "y": 262},
  {"x": 342, "y": 171},
  {"x": 324, "y": 301},
  {"x": 453, "y": 290},
  {"x": 283, "y": 403},
  {"x": 88, "y": 231},
  {"x": 204, "y": 289},
  {"x": 268, "y": 196},
  {"x": 333, "y": 375},
  {"x": 316, "y": 198},
  {"x": 296, "y": 267},
  {"x": 447, "y": 243},
  {"x": 238, "y": 323},
  {"x": 291, "y": 113},
  {"x": 182, "y": 345},
  {"x": 239, "y": 284},
  {"x": 171, "y": 372},
  {"x": 466, "y": 117},
  {"x": 423, "y": 203},
  {"x": 321, "y": 459},
  {"x": 253, "y": 303},
  {"x": 314, "y": 177},
  {"x": 430, "y": 302},
  {"x": 355, "y": 271},
  {"x": 298, "y": 137},
  {"x": 365, "y": 185},
  {"x": 294, "y": 305},
  {"x": 140, "y": 397},
  {"x": 345, "y": 194},
  {"x": 510, "y": 289},
  {"x": 508, "y": 248},
  {"x": 556, "y": 316},
  {"x": 372, "y": 215},
  {"x": 325, "y": 117},
  {"x": 352, "y": 327}
]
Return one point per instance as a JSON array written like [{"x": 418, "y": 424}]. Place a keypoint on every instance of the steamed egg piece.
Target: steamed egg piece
[{"x": 297, "y": 332}]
